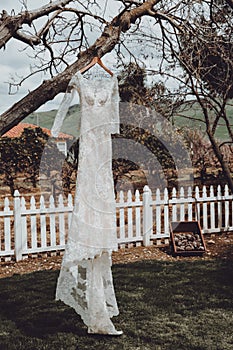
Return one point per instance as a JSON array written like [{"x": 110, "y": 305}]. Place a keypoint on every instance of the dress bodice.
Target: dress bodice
[
  {"x": 99, "y": 101},
  {"x": 95, "y": 93},
  {"x": 99, "y": 104}
]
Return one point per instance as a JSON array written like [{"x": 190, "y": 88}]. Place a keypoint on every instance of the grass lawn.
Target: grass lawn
[{"x": 179, "y": 305}]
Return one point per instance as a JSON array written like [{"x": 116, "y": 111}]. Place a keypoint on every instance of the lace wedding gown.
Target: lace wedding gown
[{"x": 85, "y": 281}]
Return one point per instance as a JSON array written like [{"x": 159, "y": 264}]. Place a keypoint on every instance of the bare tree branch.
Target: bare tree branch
[
  {"x": 50, "y": 88},
  {"x": 193, "y": 35},
  {"x": 10, "y": 25},
  {"x": 230, "y": 3}
]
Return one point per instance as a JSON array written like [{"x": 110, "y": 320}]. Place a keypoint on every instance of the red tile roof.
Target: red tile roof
[{"x": 17, "y": 130}]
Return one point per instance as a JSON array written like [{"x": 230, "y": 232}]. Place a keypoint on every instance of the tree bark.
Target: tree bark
[
  {"x": 10, "y": 25},
  {"x": 221, "y": 160}
]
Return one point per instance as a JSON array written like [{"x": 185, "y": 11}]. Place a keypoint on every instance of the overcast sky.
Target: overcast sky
[{"x": 14, "y": 61}]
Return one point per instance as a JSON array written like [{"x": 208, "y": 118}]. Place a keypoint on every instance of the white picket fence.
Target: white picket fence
[{"x": 142, "y": 219}]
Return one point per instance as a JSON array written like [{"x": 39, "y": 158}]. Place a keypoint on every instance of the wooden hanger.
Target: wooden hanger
[{"x": 92, "y": 63}]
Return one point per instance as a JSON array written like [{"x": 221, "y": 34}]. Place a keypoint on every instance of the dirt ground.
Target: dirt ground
[{"x": 218, "y": 246}]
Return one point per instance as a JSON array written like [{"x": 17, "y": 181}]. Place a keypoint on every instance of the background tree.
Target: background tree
[
  {"x": 198, "y": 39},
  {"x": 63, "y": 34},
  {"x": 208, "y": 69},
  {"x": 142, "y": 99},
  {"x": 136, "y": 101},
  {"x": 208, "y": 170},
  {"x": 158, "y": 32},
  {"x": 10, "y": 162},
  {"x": 32, "y": 143},
  {"x": 21, "y": 157}
]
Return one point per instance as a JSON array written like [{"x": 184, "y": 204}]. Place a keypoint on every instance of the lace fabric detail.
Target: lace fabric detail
[
  {"x": 75, "y": 250},
  {"x": 85, "y": 281},
  {"x": 88, "y": 287},
  {"x": 61, "y": 113}
]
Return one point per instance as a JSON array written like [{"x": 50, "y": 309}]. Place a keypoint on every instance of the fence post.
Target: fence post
[
  {"x": 166, "y": 212},
  {"x": 17, "y": 226},
  {"x": 147, "y": 216}
]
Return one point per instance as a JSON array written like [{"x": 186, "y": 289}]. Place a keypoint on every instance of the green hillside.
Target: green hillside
[
  {"x": 46, "y": 119},
  {"x": 186, "y": 118},
  {"x": 183, "y": 119}
]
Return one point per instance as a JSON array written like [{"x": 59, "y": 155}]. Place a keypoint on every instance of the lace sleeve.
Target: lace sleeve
[
  {"x": 115, "y": 120},
  {"x": 64, "y": 106},
  {"x": 61, "y": 113}
]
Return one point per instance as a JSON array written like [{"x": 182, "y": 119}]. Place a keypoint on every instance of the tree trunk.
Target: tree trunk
[{"x": 224, "y": 164}]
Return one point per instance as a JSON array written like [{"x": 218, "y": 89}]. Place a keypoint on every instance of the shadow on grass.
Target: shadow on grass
[
  {"x": 163, "y": 306},
  {"x": 227, "y": 252}
]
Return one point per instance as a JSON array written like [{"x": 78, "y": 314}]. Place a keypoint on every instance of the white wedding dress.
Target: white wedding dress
[{"x": 85, "y": 281}]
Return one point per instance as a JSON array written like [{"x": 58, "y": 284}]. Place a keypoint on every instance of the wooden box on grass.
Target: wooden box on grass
[{"x": 187, "y": 238}]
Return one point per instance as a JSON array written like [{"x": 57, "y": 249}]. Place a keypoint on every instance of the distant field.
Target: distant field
[
  {"x": 45, "y": 119},
  {"x": 195, "y": 112}
]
